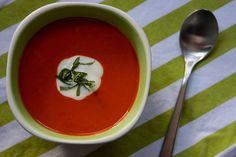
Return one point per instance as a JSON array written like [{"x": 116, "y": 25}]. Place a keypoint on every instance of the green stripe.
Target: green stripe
[
  {"x": 16, "y": 11},
  {"x": 173, "y": 70},
  {"x": 154, "y": 129},
  {"x": 31, "y": 147},
  {"x": 5, "y": 114},
  {"x": 212, "y": 144},
  {"x": 171, "y": 23},
  {"x": 123, "y": 4},
  {"x": 3, "y": 65}
]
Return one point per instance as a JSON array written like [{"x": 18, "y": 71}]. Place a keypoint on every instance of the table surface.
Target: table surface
[{"x": 208, "y": 124}]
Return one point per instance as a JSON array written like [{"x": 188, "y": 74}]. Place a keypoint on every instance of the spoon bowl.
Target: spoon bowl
[{"x": 198, "y": 34}]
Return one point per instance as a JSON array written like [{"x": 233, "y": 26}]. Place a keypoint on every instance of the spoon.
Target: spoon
[{"x": 197, "y": 38}]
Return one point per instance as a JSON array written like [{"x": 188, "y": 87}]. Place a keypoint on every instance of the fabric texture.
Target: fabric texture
[{"x": 208, "y": 123}]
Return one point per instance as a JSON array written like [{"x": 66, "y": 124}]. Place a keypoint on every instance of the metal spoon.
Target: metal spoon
[{"x": 197, "y": 38}]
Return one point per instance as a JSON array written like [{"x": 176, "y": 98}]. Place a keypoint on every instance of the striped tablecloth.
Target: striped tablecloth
[{"x": 208, "y": 125}]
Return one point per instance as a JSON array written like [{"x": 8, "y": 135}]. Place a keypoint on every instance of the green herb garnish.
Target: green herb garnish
[
  {"x": 77, "y": 63},
  {"x": 73, "y": 78}
]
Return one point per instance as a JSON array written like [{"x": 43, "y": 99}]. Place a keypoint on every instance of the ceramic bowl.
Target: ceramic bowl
[{"x": 49, "y": 13}]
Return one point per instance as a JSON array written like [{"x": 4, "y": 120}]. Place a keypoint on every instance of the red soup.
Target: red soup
[{"x": 78, "y": 36}]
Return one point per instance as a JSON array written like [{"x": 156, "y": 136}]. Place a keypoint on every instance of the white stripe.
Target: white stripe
[
  {"x": 90, "y": 1},
  {"x": 168, "y": 49},
  {"x": 5, "y": 38},
  {"x": 3, "y": 94},
  {"x": 11, "y": 134},
  {"x": 196, "y": 130},
  {"x": 201, "y": 79},
  {"x": 151, "y": 10},
  {"x": 70, "y": 150},
  {"x": 159, "y": 102},
  {"x": 229, "y": 152},
  {"x": 5, "y": 2}
]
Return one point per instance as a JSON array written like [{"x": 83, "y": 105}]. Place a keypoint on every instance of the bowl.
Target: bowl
[{"x": 46, "y": 14}]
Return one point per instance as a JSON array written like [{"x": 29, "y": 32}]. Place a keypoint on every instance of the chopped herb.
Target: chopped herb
[
  {"x": 68, "y": 87},
  {"x": 90, "y": 63},
  {"x": 63, "y": 81},
  {"x": 90, "y": 84},
  {"x": 77, "y": 63},
  {"x": 76, "y": 75},
  {"x": 74, "y": 78},
  {"x": 65, "y": 75},
  {"x": 78, "y": 90}
]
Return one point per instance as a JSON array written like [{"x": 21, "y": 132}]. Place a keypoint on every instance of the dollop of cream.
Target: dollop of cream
[{"x": 94, "y": 71}]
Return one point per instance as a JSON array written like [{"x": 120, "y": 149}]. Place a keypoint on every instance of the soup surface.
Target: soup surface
[{"x": 70, "y": 37}]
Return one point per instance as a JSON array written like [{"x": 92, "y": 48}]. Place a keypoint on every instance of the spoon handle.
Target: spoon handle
[{"x": 168, "y": 145}]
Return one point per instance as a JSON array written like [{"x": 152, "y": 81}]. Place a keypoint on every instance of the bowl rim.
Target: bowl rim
[{"x": 15, "y": 37}]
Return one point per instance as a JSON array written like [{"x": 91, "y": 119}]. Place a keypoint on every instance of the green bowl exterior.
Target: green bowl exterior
[{"x": 33, "y": 23}]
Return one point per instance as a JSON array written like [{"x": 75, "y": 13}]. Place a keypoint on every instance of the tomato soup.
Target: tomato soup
[{"x": 71, "y": 37}]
